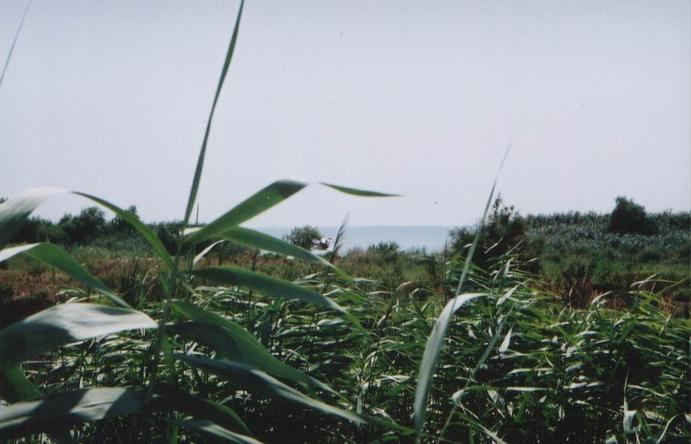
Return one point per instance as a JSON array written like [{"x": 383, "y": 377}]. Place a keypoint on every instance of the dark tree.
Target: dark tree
[
  {"x": 629, "y": 217},
  {"x": 84, "y": 228}
]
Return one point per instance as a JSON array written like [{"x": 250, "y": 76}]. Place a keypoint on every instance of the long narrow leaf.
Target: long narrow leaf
[
  {"x": 14, "y": 42},
  {"x": 258, "y": 381},
  {"x": 172, "y": 398},
  {"x": 69, "y": 408},
  {"x": 259, "y": 202},
  {"x": 17, "y": 209},
  {"x": 233, "y": 342},
  {"x": 202, "y": 152},
  {"x": 268, "y": 285},
  {"x": 56, "y": 257},
  {"x": 358, "y": 192},
  {"x": 430, "y": 356},
  {"x": 64, "y": 324}
]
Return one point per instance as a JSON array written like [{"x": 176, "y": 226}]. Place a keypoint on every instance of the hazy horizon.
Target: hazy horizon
[{"x": 414, "y": 98}]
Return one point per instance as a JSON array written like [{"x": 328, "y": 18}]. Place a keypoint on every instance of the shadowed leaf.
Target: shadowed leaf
[
  {"x": 69, "y": 408},
  {"x": 258, "y": 381},
  {"x": 64, "y": 324}
]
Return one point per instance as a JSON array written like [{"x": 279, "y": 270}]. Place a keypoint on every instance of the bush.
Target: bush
[
  {"x": 304, "y": 236},
  {"x": 504, "y": 229},
  {"x": 629, "y": 217},
  {"x": 90, "y": 224}
]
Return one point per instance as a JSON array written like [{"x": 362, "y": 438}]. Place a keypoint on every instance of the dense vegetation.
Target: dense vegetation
[{"x": 175, "y": 333}]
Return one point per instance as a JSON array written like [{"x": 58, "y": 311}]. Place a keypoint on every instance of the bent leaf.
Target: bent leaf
[
  {"x": 358, "y": 192},
  {"x": 233, "y": 342},
  {"x": 173, "y": 398},
  {"x": 258, "y": 381},
  {"x": 64, "y": 324},
  {"x": 17, "y": 209},
  {"x": 259, "y": 202},
  {"x": 69, "y": 408},
  {"x": 268, "y": 285}
]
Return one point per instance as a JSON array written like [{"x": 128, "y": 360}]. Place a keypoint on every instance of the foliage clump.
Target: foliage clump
[
  {"x": 305, "y": 236},
  {"x": 628, "y": 217}
]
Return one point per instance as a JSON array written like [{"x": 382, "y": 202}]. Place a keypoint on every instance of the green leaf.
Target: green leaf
[
  {"x": 259, "y": 202},
  {"x": 64, "y": 324},
  {"x": 210, "y": 429},
  {"x": 261, "y": 241},
  {"x": 173, "y": 398},
  {"x": 260, "y": 382},
  {"x": 14, "y": 42},
  {"x": 56, "y": 257},
  {"x": 137, "y": 224},
  {"x": 17, "y": 209},
  {"x": 357, "y": 192},
  {"x": 268, "y": 285},
  {"x": 430, "y": 356},
  {"x": 436, "y": 339},
  {"x": 202, "y": 152},
  {"x": 233, "y": 342},
  {"x": 69, "y": 408},
  {"x": 14, "y": 386}
]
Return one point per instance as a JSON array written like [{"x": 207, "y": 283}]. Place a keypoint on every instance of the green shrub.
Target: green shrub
[
  {"x": 629, "y": 217},
  {"x": 304, "y": 236}
]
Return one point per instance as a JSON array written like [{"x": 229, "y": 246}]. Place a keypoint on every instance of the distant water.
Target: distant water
[{"x": 431, "y": 238}]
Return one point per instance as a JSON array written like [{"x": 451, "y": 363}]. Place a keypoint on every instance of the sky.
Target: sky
[{"x": 409, "y": 97}]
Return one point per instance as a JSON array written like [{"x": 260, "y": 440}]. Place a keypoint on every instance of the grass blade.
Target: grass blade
[
  {"x": 69, "y": 408},
  {"x": 268, "y": 285},
  {"x": 64, "y": 324},
  {"x": 260, "y": 382},
  {"x": 200, "y": 408},
  {"x": 202, "y": 152},
  {"x": 233, "y": 342},
  {"x": 212, "y": 430},
  {"x": 14, "y": 41},
  {"x": 358, "y": 192},
  {"x": 430, "y": 357},
  {"x": 56, "y": 257},
  {"x": 259, "y": 202}
]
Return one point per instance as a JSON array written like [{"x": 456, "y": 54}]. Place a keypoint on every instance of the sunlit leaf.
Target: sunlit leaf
[{"x": 268, "y": 285}]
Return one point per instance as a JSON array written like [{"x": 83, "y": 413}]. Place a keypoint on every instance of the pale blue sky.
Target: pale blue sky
[{"x": 418, "y": 98}]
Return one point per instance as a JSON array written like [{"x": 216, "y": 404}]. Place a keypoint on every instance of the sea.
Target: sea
[{"x": 429, "y": 238}]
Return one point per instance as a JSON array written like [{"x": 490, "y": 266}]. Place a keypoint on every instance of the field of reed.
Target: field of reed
[{"x": 171, "y": 346}]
